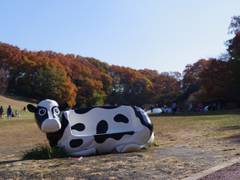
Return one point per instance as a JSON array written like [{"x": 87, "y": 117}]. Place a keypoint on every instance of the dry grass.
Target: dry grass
[
  {"x": 18, "y": 135},
  {"x": 186, "y": 145}
]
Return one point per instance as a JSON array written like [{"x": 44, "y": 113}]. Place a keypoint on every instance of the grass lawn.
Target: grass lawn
[
  {"x": 184, "y": 145},
  {"x": 193, "y": 129}
]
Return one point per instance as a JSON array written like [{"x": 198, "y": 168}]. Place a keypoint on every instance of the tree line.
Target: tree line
[{"x": 83, "y": 81}]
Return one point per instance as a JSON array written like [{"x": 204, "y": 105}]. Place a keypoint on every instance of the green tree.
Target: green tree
[
  {"x": 233, "y": 48},
  {"x": 4, "y": 77},
  {"x": 129, "y": 87}
]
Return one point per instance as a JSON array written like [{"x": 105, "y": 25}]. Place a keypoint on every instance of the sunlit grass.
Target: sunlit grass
[{"x": 22, "y": 116}]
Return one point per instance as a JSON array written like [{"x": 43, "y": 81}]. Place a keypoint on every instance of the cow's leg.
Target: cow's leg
[
  {"x": 151, "y": 140},
  {"x": 86, "y": 152},
  {"x": 128, "y": 148}
]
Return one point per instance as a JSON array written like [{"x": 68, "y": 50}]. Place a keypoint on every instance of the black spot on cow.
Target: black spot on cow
[
  {"x": 82, "y": 110},
  {"x": 142, "y": 118},
  {"x": 85, "y": 110},
  {"x": 76, "y": 143},
  {"x": 102, "y": 127},
  {"x": 121, "y": 118},
  {"x": 100, "y": 138},
  {"x": 78, "y": 127}
]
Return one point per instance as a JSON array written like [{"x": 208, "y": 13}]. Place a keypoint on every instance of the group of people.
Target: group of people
[
  {"x": 194, "y": 107},
  {"x": 9, "y": 112},
  {"x": 188, "y": 107}
]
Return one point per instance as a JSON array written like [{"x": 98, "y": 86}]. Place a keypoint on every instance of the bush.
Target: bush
[{"x": 45, "y": 152}]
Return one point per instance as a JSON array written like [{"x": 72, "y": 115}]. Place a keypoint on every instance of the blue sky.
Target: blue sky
[{"x": 155, "y": 34}]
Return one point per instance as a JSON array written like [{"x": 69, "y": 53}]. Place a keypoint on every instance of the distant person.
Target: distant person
[
  {"x": 1, "y": 112},
  {"x": 190, "y": 107},
  {"x": 9, "y": 112},
  {"x": 205, "y": 109},
  {"x": 164, "y": 108},
  {"x": 151, "y": 108},
  {"x": 174, "y": 107},
  {"x": 17, "y": 114},
  {"x": 200, "y": 107},
  {"x": 24, "y": 109}
]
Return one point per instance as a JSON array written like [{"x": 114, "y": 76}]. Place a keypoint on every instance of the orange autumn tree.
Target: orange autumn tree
[
  {"x": 166, "y": 87},
  {"x": 129, "y": 87},
  {"x": 39, "y": 78}
]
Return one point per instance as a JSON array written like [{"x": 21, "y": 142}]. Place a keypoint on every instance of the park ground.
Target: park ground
[{"x": 184, "y": 145}]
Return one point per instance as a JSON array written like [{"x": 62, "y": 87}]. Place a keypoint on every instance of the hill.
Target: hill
[{"x": 17, "y": 103}]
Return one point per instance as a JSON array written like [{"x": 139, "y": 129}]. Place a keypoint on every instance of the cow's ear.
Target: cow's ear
[
  {"x": 63, "y": 107},
  {"x": 31, "y": 108}
]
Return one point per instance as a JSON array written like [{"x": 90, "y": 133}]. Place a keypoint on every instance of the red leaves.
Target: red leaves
[{"x": 85, "y": 81}]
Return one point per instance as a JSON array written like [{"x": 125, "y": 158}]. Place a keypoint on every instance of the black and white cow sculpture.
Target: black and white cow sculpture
[{"x": 94, "y": 130}]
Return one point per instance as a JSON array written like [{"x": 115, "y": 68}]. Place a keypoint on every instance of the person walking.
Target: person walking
[
  {"x": 9, "y": 112},
  {"x": 174, "y": 107},
  {"x": 1, "y": 112}
]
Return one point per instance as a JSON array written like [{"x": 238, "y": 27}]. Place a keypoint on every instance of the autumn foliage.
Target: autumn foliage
[
  {"x": 78, "y": 80},
  {"x": 82, "y": 81}
]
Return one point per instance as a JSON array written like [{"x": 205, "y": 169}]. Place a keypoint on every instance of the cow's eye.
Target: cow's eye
[
  {"x": 42, "y": 112},
  {"x": 56, "y": 111}
]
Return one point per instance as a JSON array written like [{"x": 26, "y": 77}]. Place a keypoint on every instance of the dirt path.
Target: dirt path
[
  {"x": 169, "y": 163},
  {"x": 229, "y": 173}
]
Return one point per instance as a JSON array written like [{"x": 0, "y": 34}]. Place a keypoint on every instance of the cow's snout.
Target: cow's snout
[{"x": 50, "y": 125}]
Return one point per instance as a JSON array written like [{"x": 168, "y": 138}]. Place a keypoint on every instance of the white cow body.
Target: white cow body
[{"x": 101, "y": 130}]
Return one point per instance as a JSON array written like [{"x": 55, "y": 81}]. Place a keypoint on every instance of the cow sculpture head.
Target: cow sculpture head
[{"x": 47, "y": 114}]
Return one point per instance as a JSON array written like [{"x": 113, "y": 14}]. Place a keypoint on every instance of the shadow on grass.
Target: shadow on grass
[
  {"x": 9, "y": 161},
  {"x": 40, "y": 153},
  {"x": 233, "y": 138},
  {"x": 226, "y": 128},
  {"x": 45, "y": 152}
]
